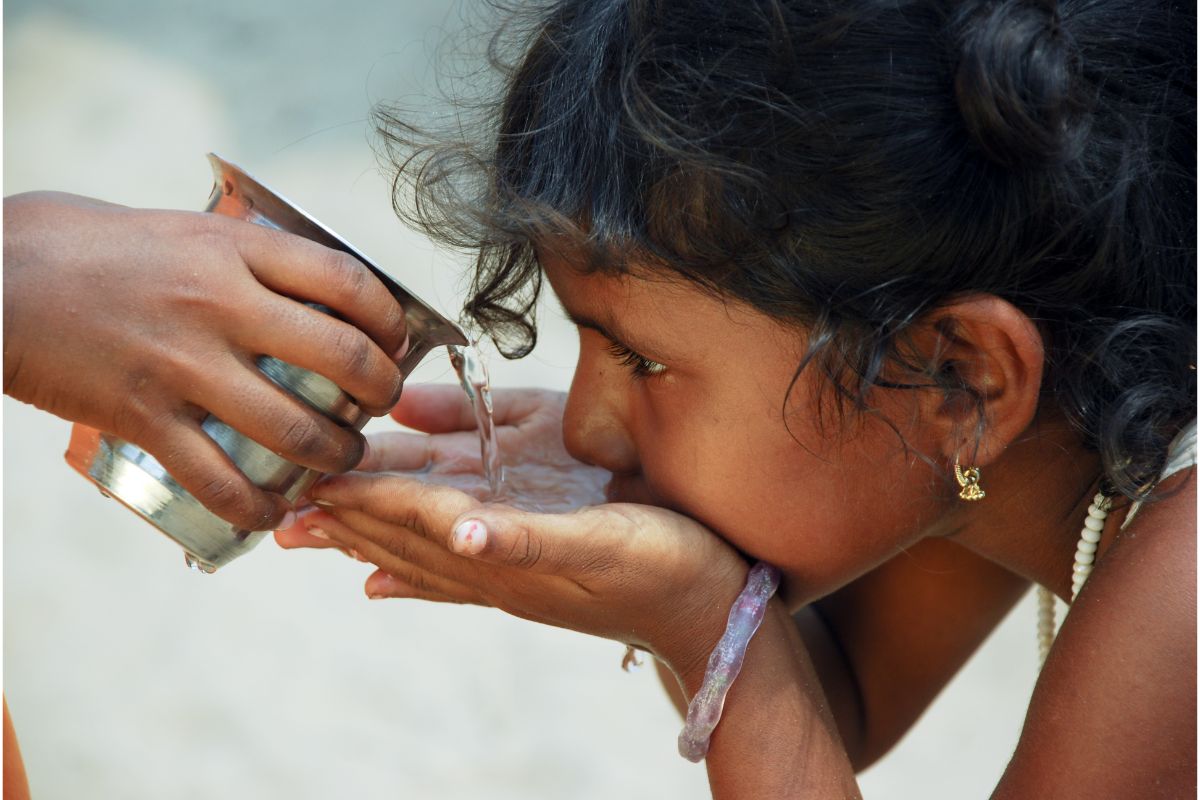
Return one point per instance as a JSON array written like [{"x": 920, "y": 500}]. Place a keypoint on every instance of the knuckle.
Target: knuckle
[
  {"x": 355, "y": 350},
  {"x": 349, "y": 451},
  {"x": 134, "y": 419},
  {"x": 273, "y": 240},
  {"x": 345, "y": 275},
  {"x": 211, "y": 230},
  {"x": 233, "y": 499},
  {"x": 420, "y": 582},
  {"x": 301, "y": 437},
  {"x": 397, "y": 548},
  {"x": 379, "y": 404},
  {"x": 525, "y": 551},
  {"x": 220, "y": 492},
  {"x": 394, "y": 325}
]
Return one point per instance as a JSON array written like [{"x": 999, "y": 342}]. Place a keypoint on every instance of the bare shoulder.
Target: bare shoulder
[{"x": 1114, "y": 712}]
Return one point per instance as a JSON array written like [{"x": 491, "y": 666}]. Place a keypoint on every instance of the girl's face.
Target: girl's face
[{"x": 681, "y": 395}]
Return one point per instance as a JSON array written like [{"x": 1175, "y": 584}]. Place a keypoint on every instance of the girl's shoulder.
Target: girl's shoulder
[{"x": 1114, "y": 711}]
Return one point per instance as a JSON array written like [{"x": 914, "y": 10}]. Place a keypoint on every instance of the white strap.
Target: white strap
[{"x": 1180, "y": 455}]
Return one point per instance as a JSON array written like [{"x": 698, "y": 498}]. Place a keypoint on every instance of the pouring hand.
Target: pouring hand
[{"x": 140, "y": 323}]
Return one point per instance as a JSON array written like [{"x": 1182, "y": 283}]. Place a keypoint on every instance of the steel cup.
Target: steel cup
[{"x": 133, "y": 476}]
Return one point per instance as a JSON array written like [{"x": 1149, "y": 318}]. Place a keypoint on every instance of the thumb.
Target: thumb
[{"x": 547, "y": 543}]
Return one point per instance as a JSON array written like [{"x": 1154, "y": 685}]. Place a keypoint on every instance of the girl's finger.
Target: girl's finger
[
  {"x": 424, "y": 566},
  {"x": 381, "y": 585},
  {"x": 549, "y": 543},
  {"x": 425, "y": 507},
  {"x": 580, "y": 542},
  {"x": 321, "y": 531},
  {"x": 298, "y": 534},
  {"x": 444, "y": 408},
  {"x": 446, "y": 453},
  {"x": 396, "y": 450},
  {"x": 386, "y": 545},
  {"x": 292, "y": 539}
]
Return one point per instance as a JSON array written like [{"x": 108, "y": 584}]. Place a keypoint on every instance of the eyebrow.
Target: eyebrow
[{"x": 584, "y": 321}]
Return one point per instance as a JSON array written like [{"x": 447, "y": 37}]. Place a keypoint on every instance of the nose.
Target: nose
[{"x": 595, "y": 427}]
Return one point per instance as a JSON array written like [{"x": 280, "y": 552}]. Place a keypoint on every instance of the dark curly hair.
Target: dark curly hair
[{"x": 850, "y": 166}]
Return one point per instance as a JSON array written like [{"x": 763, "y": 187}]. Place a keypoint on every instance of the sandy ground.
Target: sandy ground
[{"x": 130, "y": 677}]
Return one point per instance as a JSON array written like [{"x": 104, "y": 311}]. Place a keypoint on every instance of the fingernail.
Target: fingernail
[
  {"x": 317, "y": 532},
  {"x": 289, "y": 519},
  {"x": 357, "y": 556},
  {"x": 377, "y": 597},
  {"x": 403, "y": 351},
  {"x": 382, "y": 584},
  {"x": 322, "y": 503},
  {"x": 470, "y": 537},
  {"x": 366, "y": 454}
]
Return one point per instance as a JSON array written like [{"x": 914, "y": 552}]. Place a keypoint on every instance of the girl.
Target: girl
[{"x": 893, "y": 299}]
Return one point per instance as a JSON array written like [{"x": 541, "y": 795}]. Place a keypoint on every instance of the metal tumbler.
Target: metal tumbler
[{"x": 131, "y": 475}]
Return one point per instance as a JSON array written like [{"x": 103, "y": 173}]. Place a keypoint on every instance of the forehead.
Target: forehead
[
  {"x": 587, "y": 284},
  {"x": 642, "y": 304}
]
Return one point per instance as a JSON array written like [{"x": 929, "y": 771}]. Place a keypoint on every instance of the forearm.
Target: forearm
[
  {"x": 18, "y": 249},
  {"x": 885, "y": 645},
  {"x": 37, "y": 241},
  {"x": 836, "y": 674},
  {"x": 832, "y": 668},
  {"x": 777, "y": 736}
]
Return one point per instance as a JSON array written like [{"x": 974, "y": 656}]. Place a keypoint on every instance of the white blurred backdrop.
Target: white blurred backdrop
[{"x": 129, "y": 676}]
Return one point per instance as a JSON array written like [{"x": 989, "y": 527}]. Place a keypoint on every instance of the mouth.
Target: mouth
[
  {"x": 632, "y": 488},
  {"x": 629, "y": 489},
  {"x": 792, "y": 599}
]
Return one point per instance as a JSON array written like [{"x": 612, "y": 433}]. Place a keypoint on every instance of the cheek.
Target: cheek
[{"x": 824, "y": 510}]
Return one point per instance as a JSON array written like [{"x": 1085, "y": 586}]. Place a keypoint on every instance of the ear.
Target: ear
[{"x": 988, "y": 358}]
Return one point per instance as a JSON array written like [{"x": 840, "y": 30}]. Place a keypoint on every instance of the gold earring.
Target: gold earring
[{"x": 968, "y": 479}]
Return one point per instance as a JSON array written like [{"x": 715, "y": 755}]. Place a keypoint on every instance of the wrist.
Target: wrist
[
  {"x": 17, "y": 254},
  {"x": 701, "y": 626},
  {"x": 777, "y": 737}
]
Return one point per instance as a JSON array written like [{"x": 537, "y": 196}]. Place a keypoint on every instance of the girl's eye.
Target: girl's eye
[{"x": 641, "y": 367}]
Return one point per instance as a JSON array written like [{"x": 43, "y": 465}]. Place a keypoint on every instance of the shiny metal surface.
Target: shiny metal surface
[{"x": 132, "y": 476}]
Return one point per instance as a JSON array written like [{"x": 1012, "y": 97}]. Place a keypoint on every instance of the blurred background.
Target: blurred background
[{"x": 129, "y": 676}]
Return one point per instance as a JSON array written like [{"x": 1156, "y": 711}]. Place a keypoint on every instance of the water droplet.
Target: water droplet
[{"x": 196, "y": 565}]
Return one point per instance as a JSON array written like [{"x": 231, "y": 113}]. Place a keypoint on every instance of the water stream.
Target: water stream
[{"x": 473, "y": 377}]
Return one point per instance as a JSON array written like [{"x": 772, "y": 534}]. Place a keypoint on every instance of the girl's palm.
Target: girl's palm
[{"x": 539, "y": 474}]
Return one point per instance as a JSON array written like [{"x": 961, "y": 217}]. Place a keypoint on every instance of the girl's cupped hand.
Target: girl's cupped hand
[{"x": 638, "y": 574}]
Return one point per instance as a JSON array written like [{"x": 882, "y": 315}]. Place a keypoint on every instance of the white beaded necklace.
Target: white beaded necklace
[
  {"x": 1180, "y": 455},
  {"x": 1085, "y": 558}
]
